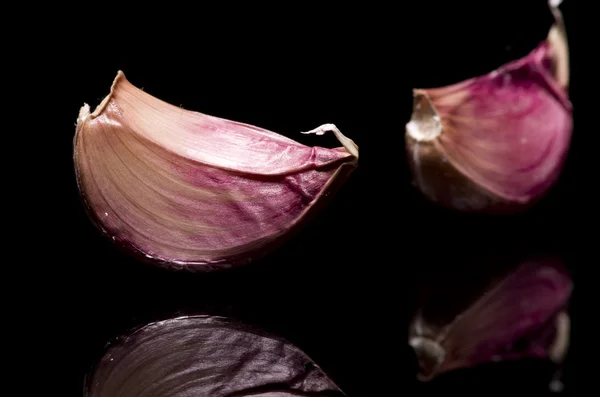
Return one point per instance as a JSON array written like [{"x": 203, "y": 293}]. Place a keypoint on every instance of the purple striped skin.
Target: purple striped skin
[
  {"x": 521, "y": 316},
  {"x": 190, "y": 191},
  {"x": 205, "y": 356},
  {"x": 498, "y": 141}
]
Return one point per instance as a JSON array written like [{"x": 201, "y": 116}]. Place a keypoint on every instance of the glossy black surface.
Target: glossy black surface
[{"x": 344, "y": 289}]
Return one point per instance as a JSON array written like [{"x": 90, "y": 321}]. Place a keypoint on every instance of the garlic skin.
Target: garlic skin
[
  {"x": 187, "y": 190},
  {"x": 205, "y": 356},
  {"x": 523, "y": 315},
  {"x": 497, "y": 142}
]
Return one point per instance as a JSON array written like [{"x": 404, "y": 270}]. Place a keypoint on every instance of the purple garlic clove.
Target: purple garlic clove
[
  {"x": 188, "y": 190},
  {"x": 205, "y": 356},
  {"x": 495, "y": 142},
  {"x": 524, "y": 315}
]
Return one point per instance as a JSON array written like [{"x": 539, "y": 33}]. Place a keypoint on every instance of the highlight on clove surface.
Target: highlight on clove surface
[
  {"x": 497, "y": 142},
  {"x": 184, "y": 189},
  {"x": 522, "y": 315},
  {"x": 205, "y": 356}
]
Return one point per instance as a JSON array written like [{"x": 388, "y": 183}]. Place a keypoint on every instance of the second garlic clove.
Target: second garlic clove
[{"x": 495, "y": 143}]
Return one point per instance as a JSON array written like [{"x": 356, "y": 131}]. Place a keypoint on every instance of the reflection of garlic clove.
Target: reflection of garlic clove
[
  {"x": 430, "y": 355},
  {"x": 521, "y": 316},
  {"x": 559, "y": 348},
  {"x": 185, "y": 189},
  {"x": 206, "y": 356},
  {"x": 495, "y": 142}
]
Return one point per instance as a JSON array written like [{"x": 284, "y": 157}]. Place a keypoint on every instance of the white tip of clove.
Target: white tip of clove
[
  {"x": 321, "y": 130},
  {"x": 84, "y": 112},
  {"x": 554, "y": 3},
  {"x": 348, "y": 143},
  {"x": 425, "y": 123},
  {"x": 100, "y": 108}
]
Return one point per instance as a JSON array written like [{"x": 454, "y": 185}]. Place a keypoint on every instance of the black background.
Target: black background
[{"x": 344, "y": 289}]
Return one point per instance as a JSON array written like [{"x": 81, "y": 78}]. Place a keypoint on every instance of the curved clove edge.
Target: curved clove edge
[
  {"x": 132, "y": 332},
  {"x": 124, "y": 246},
  {"x": 343, "y": 169},
  {"x": 442, "y": 184}
]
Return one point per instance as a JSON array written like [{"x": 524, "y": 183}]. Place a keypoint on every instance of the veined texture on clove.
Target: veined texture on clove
[
  {"x": 205, "y": 356},
  {"x": 497, "y": 142},
  {"x": 524, "y": 314},
  {"x": 188, "y": 190}
]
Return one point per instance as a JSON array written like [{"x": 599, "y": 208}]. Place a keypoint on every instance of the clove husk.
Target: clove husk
[
  {"x": 188, "y": 190},
  {"x": 497, "y": 142},
  {"x": 205, "y": 356},
  {"x": 522, "y": 315}
]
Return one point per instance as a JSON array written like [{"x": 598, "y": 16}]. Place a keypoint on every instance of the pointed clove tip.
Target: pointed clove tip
[
  {"x": 84, "y": 112},
  {"x": 557, "y": 39},
  {"x": 100, "y": 108},
  {"x": 348, "y": 143},
  {"x": 554, "y": 3}
]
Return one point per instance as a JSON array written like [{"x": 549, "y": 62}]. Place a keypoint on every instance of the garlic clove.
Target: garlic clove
[
  {"x": 521, "y": 316},
  {"x": 495, "y": 142},
  {"x": 205, "y": 356},
  {"x": 188, "y": 190}
]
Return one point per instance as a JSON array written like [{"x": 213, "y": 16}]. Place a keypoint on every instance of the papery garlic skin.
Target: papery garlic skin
[
  {"x": 205, "y": 356},
  {"x": 185, "y": 189},
  {"x": 496, "y": 142},
  {"x": 524, "y": 315}
]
